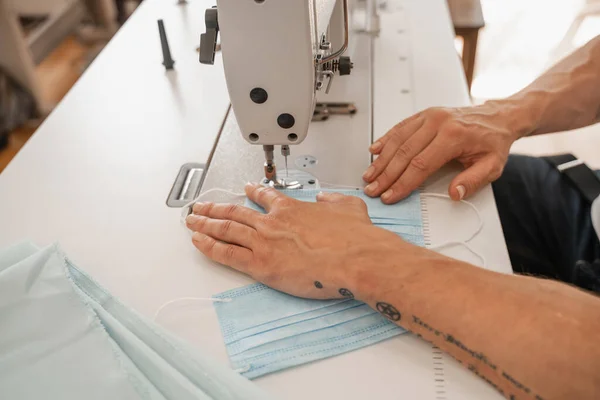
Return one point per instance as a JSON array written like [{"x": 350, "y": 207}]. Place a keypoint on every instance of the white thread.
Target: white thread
[
  {"x": 460, "y": 242},
  {"x": 168, "y": 303},
  {"x": 335, "y": 185},
  {"x": 185, "y": 209}
]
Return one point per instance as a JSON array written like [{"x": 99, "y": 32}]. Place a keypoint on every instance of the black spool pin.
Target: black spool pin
[{"x": 168, "y": 61}]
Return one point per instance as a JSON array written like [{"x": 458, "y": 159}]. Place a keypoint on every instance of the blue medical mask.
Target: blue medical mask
[
  {"x": 63, "y": 336},
  {"x": 402, "y": 218},
  {"x": 266, "y": 330}
]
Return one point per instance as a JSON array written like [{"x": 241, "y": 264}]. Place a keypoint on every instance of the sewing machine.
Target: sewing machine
[
  {"x": 122, "y": 165},
  {"x": 287, "y": 64}
]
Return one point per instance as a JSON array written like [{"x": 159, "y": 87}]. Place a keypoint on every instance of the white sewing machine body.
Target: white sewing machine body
[
  {"x": 101, "y": 189},
  {"x": 277, "y": 57},
  {"x": 272, "y": 53}
]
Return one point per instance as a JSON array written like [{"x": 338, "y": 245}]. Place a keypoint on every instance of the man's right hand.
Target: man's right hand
[{"x": 479, "y": 137}]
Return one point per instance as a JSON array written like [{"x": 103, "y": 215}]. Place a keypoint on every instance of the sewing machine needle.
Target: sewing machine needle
[{"x": 285, "y": 152}]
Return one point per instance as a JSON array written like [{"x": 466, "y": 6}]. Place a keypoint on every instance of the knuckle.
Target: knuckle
[
  {"x": 263, "y": 192},
  {"x": 230, "y": 211},
  {"x": 418, "y": 163},
  {"x": 225, "y": 227},
  {"x": 200, "y": 223},
  {"x": 404, "y": 151},
  {"x": 439, "y": 112},
  {"x": 207, "y": 208},
  {"x": 356, "y": 200},
  {"x": 209, "y": 245},
  {"x": 230, "y": 252},
  {"x": 359, "y": 202},
  {"x": 267, "y": 222},
  {"x": 281, "y": 201},
  {"x": 496, "y": 171}
]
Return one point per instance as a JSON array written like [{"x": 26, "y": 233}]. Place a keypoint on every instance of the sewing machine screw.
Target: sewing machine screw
[
  {"x": 258, "y": 95},
  {"x": 253, "y": 137},
  {"x": 311, "y": 182},
  {"x": 292, "y": 137}
]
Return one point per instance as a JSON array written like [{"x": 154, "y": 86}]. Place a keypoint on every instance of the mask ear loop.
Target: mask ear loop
[
  {"x": 180, "y": 299},
  {"x": 335, "y": 186},
  {"x": 187, "y": 209},
  {"x": 463, "y": 243}
]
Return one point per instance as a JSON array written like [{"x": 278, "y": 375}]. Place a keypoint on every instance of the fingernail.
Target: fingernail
[
  {"x": 461, "y": 191},
  {"x": 375, "y": 146},
  {"x": 369, "y": 172},
  {"x": 387, "y": 195},
  {"x": 191, "y": 219},
  {"x": 372, "y": 187}
]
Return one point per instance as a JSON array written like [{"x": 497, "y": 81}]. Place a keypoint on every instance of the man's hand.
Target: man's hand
[
  {"x": 478, "y": 137},
  {"x": 305, "y": 249}
]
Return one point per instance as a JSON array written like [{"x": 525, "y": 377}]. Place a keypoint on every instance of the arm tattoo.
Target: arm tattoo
[
  {"x": 476, "y": 355},
  {"x": 346, "y": 293},
  {"x": 388, "y": 311},
  {"x": 318, "y": 285}
]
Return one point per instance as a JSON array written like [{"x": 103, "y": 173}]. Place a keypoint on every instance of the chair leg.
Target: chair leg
[{"x": 470, "y": 37}]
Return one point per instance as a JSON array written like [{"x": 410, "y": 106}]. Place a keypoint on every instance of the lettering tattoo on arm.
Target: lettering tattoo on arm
[{"x": 478, "y": 356}]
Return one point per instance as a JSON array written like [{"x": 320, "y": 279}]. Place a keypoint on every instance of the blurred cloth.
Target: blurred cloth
[
  {"x": 64, "y": 337},
  {"x": 547, "y": 223}
]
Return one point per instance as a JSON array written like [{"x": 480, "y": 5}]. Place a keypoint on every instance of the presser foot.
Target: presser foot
[{"x": 280, "y": 184}]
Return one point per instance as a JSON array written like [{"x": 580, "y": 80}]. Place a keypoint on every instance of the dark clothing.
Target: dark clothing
[{"x": 547, "y": 224}]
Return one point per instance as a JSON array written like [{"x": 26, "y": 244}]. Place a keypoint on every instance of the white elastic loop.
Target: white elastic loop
[
  {"x": 335, "y": 185},
  {"x": 168, "y": 303},
  {"x": 460, "y": 242},
  {"x": 185, "y": 209}
]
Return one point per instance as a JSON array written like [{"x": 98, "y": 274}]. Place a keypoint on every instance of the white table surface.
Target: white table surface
[{"x": 96, "y": 175}]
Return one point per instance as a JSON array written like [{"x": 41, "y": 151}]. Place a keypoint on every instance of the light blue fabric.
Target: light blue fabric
[
  {"x": 265, "y": 330},
  {"x": 403, "y": 218},
  {"x": 64, "y": 337}
]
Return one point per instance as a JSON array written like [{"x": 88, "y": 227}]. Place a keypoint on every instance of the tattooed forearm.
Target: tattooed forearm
[
  {"x": 478, "y": 356},
  {"x": 453, "y": 340}
]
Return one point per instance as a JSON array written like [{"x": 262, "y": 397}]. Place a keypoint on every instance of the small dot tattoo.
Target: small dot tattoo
[
  {"x": 346, "y": 293},
  {"x": 318, "y": 285}
]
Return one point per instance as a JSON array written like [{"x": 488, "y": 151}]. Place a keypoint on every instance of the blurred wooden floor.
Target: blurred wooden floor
[{"x": 57, "y": 74}]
